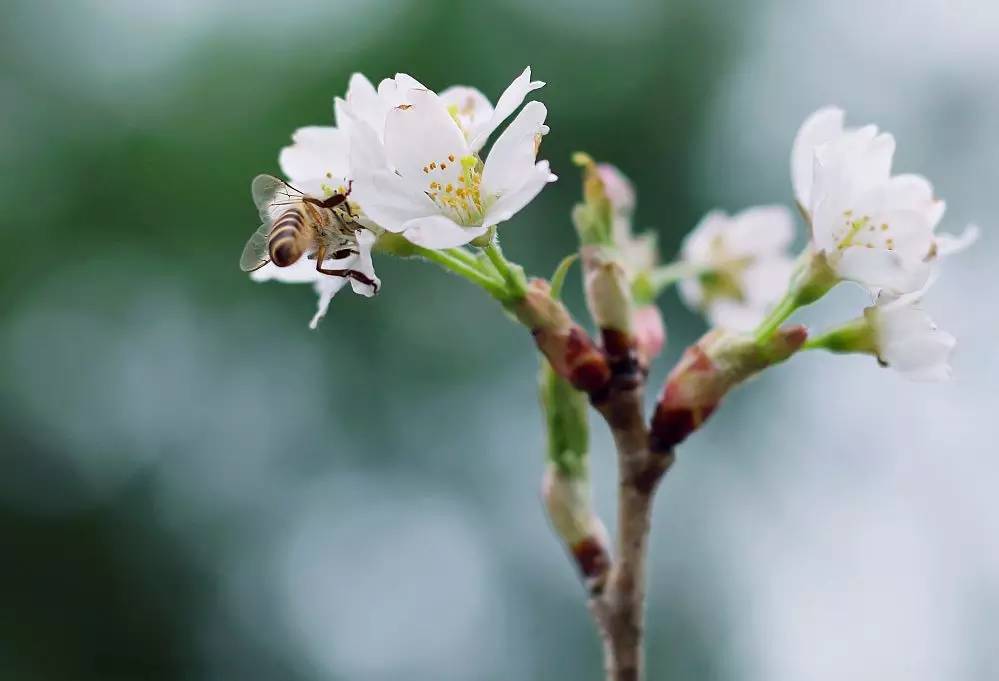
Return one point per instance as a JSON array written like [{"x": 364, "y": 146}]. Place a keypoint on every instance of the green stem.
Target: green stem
[
  {"x": 516, "y": 286},
  {"x": 648, "y": 285},
  {"x": 855, "y": 336},
  {"x": 667, "y": 275},
  {"x": 778, "y": 315},
  {"x": 464, "y": 256},
  {"x": 456, "y": 264}
]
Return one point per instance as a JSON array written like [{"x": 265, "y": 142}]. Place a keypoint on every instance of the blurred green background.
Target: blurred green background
[{"x": 194, "y": 486}]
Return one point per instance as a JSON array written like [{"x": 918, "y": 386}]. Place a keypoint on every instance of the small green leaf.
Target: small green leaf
[{"x": 558, "y": 278}]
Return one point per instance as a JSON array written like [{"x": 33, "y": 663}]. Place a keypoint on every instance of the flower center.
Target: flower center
[
  {"x": 724, "y": 281},
  {"x": 862, "y": 232},
  {"x": 454, "y": 186}
]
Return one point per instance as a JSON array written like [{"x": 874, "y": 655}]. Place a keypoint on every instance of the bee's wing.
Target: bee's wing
[
  {"x": 255, "y": 253},
  {"x": 269, "y": 190}
]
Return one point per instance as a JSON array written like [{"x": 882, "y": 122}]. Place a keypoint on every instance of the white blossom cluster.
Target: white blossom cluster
[
  {"x": 865, "y": 225},
  {"x": 411, "y": 162}
]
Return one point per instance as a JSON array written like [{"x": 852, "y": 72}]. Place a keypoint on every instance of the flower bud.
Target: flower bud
[
  {"x": 618, "y": 189},
  {"x": 572, "y": 353},
  {"x": 568, "y": 504},
  {"x": 593, "y": 218},
  {"x": 708, "y": 370},
  {"x": 650, "y": 333},
  {"x": 608, "y": 291}
]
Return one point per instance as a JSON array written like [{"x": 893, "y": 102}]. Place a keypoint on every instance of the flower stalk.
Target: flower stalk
[{"x": 566, "y": 486}]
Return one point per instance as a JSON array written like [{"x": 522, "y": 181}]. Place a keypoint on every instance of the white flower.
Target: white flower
[
  {"x": 747, "y": 267},
  {"x": 873, "y": 228},
  {"x": 907, "y": 340},
  {"x": 304, "y": 271},
  {"x": 422, "y": 175},
  {"x": 318, "y": 157}
]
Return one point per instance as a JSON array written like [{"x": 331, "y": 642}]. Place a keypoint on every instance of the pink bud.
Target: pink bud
[
  {"x": 618, "y": 188},
  {"x": 650, "y": 332}
]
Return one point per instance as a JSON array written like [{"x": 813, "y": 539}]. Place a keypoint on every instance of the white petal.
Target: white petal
[
  {"x": 765, "y": 281},
  {"x": 897, "y": 323},
  {"x": 471, "y": 108},
  {"x": 819, "y": 128},
  {"x": 395, "y": 91},
  {"x": 511, "y": 158},
  {"x": 367, "y": 151},
  {"x": 385, "y": 197},
  {"x": 923, "y": 358},
  {"x": 390, "y": 201},
  {"x": 909, "y": 342},
  {"x": 762, "y": 230},
  {"x": 697, "y": 245},
  {"x": 508, "y": 102},
  {"x": 948, "y": 244},
  {"x": 880, "y": 269},
  {"x": 423, "y": 133},
  {"x": 302, "y": 271},
  {"x": 937, "y": 212},
  {"x": 316, "y": 152},
  {"x": 844, "y": 170},
  {"x": 897, "y": 217},
  {"x": 363, "y": 103},
  {"x": 326, "y": 288},
  {"x": 363, "y": 264},
  {"x": 692, "y": 293},
  {"x": 514, "y": 200},
  {"x": 438, "y": 232}
]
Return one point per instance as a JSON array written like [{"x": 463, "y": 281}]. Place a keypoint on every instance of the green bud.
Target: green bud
[{"x": 567, "y": 424}]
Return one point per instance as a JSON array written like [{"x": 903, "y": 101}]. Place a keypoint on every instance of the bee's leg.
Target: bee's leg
[
  {"x": 346, "y": 203},
  {"x": 346, "y": 274}
]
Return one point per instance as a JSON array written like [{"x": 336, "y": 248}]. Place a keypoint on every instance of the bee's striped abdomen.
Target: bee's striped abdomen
[{"x": 285, "y": 240}]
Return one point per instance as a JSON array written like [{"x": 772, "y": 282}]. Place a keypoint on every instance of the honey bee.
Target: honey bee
[{"x": 295, "y": 224}]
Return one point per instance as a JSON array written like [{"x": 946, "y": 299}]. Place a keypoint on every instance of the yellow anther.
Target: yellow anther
[
  {"x": 433, "y": 165},
  {"x": 449, "y": 188},
  {"x": 451, "y": 158}
]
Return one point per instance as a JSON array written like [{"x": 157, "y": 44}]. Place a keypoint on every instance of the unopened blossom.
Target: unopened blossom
[
  {"x": 639, "y": 252},
  {"x": 871, "y": 227},
  {"x": 423, "y": 176},
  {"x": 906, "y": 339},
  {"x": 745, "y": 265},
  {"x": 304, "y": 272}
]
